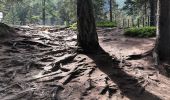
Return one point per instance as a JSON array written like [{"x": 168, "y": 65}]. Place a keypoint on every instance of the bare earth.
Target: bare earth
[{"x": 42, "y": 64}]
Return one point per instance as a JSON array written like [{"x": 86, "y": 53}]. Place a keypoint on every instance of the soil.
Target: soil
[{"x": 42, "y": 64}]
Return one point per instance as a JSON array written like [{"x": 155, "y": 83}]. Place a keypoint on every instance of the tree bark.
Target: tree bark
[
  {"x": 43, "y": 11},
  {"x": 87, "y": 35},
  {"x": 111, "y": 16},
  {"x": 163, "y": 32},
  {"x": 12, "y": 11},
  {"x": 153, "y": 7}
]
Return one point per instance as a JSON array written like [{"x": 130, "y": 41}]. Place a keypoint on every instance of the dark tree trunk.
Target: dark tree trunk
[
  {"x": 111, "y": 16},
  {"x": 163, "y": 32},
  {"x": 87, "y": 35},
  {"x": 43, "y": 11},
  {"x": 52, "y": 20},
  {"x": 153, "y": 7}
]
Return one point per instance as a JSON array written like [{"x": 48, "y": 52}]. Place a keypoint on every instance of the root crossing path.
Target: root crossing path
[{"x": 42, "y": 64}]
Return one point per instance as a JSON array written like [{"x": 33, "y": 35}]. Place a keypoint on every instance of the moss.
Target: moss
[{"x": 142, "y": 32}]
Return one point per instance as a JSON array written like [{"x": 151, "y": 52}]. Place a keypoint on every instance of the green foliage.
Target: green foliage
[
  {"x": 141, "y": 32},
  {"x": 106, "y": 24},
  {"x": 35, "y": 18},
  {"x": 66, "y": 11},
  {"x": 135, "y": 6},
  {"x": 99, "y": 13},
  {"x": 57, "y": 12},
  {"x": 73, "y": 26},
  {"x": 98, "y": 24}
]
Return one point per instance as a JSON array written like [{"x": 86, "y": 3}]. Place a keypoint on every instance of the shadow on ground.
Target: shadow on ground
[{"x": 127, "y": 84}]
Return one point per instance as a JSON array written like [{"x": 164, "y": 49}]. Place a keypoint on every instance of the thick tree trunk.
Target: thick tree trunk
[
  {"x": 153, "y": 12},
  {"x": 87, "y": 35},
  {"x": 163, "y": 33}
]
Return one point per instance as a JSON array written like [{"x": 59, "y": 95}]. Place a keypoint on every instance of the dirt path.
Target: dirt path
[{"x": 42, "y": 64}]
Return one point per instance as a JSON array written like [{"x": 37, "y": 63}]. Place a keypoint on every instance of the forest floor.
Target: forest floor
[{"x": 42, "y": 64}]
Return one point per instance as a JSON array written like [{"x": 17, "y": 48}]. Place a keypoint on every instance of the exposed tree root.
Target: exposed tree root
[
  {"x": 51, "y": 78},
  {"x": 1, "y": 90},
  {"x": 54, "y": 92},
  {"x": 30, "y": 43},
  {"x": 139, "y": 56},
  {"x": 104, "y": 90},
  {"x": 57, "y": 65},
  {"x": 42, "y": 76},
  {"x": 63, "y": 60},
  {"x": 18, "y": 95},
  {"x": 23, "y": 57},
  {"x": 55, "y": 52},
  {"x": 69, "y": 76}
]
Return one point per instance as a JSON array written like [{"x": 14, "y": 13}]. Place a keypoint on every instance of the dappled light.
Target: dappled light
[{"x": 84, "y": 50}]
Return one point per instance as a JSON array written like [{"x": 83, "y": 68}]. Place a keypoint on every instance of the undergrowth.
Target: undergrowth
[{"x": 142, "y": 32}]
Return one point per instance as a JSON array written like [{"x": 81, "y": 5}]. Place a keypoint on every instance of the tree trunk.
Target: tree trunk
[
  {"x": 152, "y": 12},
  {"x": 43, "y": 11},
  {"x": 111, "y": 16},
  {"x": 163, "y": 32},
  {"x": 87, "y": 35},
  {"x": 12, "y": 10}
]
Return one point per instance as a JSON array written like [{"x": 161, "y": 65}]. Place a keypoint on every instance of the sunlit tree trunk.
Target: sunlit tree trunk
[
  {"x": 163, "y": 32},
  {"x": 87, "y": 35}
]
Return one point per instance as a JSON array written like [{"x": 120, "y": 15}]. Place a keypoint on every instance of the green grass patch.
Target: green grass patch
[
  {"x": 143, "y": 32},
  {"x": 106, "y": 24}
]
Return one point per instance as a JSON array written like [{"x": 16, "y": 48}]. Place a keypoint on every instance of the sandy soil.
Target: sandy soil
[{"x": 42, "y": 64}]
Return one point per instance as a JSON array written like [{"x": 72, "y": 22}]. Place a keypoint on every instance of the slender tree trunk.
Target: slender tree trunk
[
  {"x": 111, "y": 16},
  {"x": 43, "y": 11},
  {"x": 145, "y": 8},
  {"x": 30, "y": 15},
  {"x": 52, "y": 20},
  {"x": 163, "y": 32},
  {"x": 152, "y": 12},
  {"x": 87, "y": 35},
  {"x": 13, "y": 17}
]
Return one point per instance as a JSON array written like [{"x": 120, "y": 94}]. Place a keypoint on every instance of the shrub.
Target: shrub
[
  {"x": 106, "y": 24},
  {"x": 142, "y": 32},
  {"x": 35, "y": 18},
  {"x": 98, "y": 24},
  {"x": 73, "y": 26}
]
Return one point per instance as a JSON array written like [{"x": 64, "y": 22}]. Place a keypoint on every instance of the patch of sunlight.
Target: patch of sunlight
[
  {"x": 47, "y": 68},
  {"x": 1, "y": 16},
  {"x": 38, "y": 75}
]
